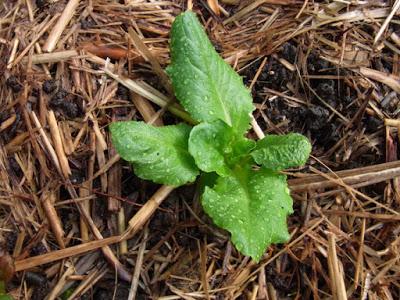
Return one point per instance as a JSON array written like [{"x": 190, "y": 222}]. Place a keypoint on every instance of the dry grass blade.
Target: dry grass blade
[
  {"x": 53, "y": 57},
  {"x": 390, "y": 80},
  {"x": 155, "y": 98},
  {"x": 151, "y": 58},
  {"x": 88, "y": 282},
  {"x": 28, "y": 263},
  {"x": 135, "y": 224},
  {"x": 45, "y": 26},
  {"x": 62, "y": 22},
  {"x": 360, "y": 177},
  {"x": 335, "y": 271},
  {"x": 213, "y": 4},
  {"x": 58, "y": 144},
  {"x": 395, "y": 8},
  {"x": 138, "y": 267},
  {"x": 48, "y": 199}
]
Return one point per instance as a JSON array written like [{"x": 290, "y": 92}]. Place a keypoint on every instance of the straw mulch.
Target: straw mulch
[{"x": 76, "y": 221}]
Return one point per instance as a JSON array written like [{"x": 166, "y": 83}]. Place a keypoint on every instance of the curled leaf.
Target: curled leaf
[
  {"x": 159, "y": 154},
  {"x": 216, "y": 148},
  {"x": 279, "y": 152}
]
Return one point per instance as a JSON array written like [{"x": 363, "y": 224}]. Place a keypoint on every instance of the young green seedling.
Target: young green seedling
[{"x": 247, "y": 196}]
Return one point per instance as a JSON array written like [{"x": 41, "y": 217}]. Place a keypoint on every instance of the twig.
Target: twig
[
  {"x": 53, "y": 256},
  {"x": 147, "y": 54},
  {"x": 257, "y": 129},
  {"x": 132, "y": 85},
  {"x": 335, "y": 270},
  {"x": 395, "y": 8},
  {"x": 368, "y": 175},
  {"x": 138, "y": 266},
  {"x": 53, "y": 57},
  {"x": 83, "y": 193},
  {"x": 145, "y": 109},
  {"x": 89, "y": 281},
  {"x": 47, "y": 143},
  {"x": 136, "y": 223},
  {"x": 123, "y": 245},
  {"x": 60, "y": 284},
  {"x": 48, "y": 199},
  {"x": 366, "y": 215},
  {"x": 390, "y": 80},
  {"x": 56, "y": 136},
  {"x": 147, "y": 210},
  {"x": 62, "y": 22},
  {"x": 37, "y": 37}
]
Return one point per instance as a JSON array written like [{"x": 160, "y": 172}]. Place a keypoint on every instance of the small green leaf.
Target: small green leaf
[
  {"x": 207, "y": 87},
  {"x": 208, "y": 145},
  {"x": 278, "y": 152},
  {"x": 65, "y": 295},
  {"x": 2, "y": 287},
  {"x": 252, "y": 206},
  {"x": 159, "y": 154},
  {"x": 240, "y": 149},
  {"x": 215, "y": 147}
]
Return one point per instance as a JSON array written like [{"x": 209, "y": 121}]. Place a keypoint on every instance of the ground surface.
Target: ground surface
[{"x": 329, "y": 70}]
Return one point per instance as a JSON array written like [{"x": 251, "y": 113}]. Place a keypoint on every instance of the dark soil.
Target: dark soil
[
  {"x": 65, "y": 103},
  {"x": 314, "y": 119}
]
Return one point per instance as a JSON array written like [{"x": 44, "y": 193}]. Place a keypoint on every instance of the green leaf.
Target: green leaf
[
  {"x": 65, "y": 295},
  {"x": 252, "y": 206},
  {"x": 240, "y": 149},
  {"x": 215, "y": 147},
  {"x": 2, "y": 287},
  {"x": 159, "y": 154},
  {"x": 278, "y": 152},
  {"x": 206, "y": 179},
  {"x": 207, "y": 87}
]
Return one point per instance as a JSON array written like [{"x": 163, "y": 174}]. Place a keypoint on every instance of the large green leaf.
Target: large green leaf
[
  {"x": 278, "y": 152},
  {"x": 252, "y": 206},
  {"x": 159, "y": 154},
  {"x": 207, "y": 87},
  {"x": 215, "y": 147}
]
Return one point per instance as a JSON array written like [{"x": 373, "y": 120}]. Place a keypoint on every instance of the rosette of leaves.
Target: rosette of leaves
[{"x": 249, "y": 197}]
